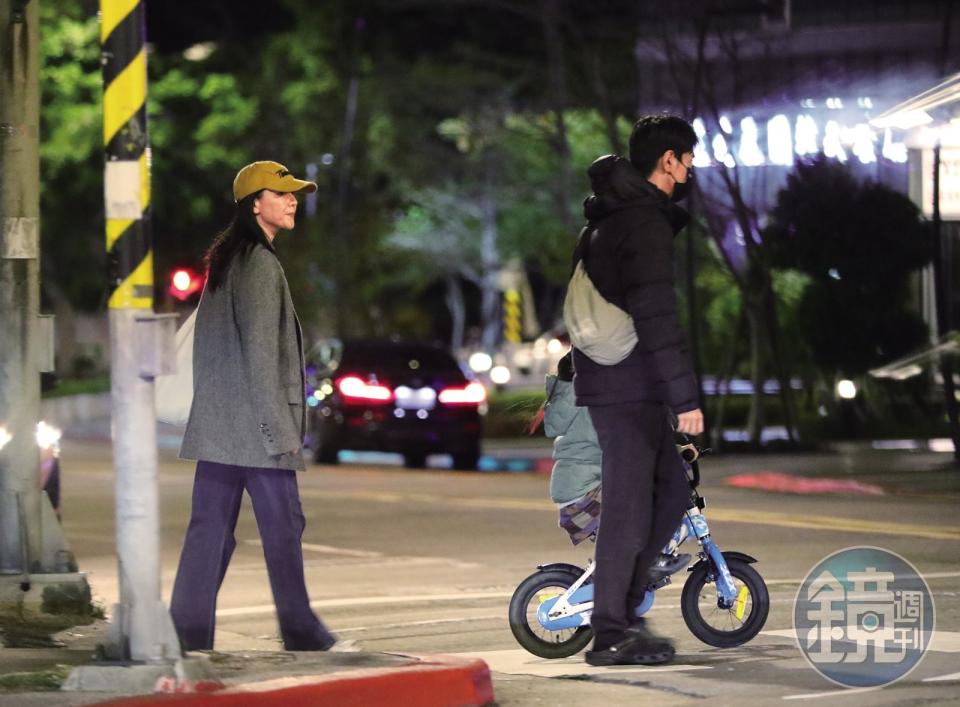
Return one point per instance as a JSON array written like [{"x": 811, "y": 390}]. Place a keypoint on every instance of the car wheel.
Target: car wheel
[
  {"x": 414, "y": 460},
  {"x": 325, "y": 454},
  {"x": 467, "y": 461}
]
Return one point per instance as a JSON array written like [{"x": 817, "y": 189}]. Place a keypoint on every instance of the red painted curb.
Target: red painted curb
[{"x": 433, "y": 681}]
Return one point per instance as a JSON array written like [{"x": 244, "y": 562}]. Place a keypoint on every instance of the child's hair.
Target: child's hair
[{"x": 564, "y": 373}]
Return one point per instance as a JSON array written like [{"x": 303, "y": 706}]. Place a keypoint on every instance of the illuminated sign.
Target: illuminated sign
[
  {"x": 949, "y": 182},
  {"x": 786, "y": 139}
]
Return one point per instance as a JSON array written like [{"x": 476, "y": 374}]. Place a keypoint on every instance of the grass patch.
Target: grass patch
[
  {"x": 36, "y": 631},
  {"x": 39, "y": 680},
  {"x": 79, "y": 386}
]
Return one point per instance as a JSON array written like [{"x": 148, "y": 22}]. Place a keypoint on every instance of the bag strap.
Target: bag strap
[{"x": 582, "y": 249}]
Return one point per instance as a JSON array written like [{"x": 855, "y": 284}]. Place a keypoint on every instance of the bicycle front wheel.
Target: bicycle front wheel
[{"x": 717, "y": 626}]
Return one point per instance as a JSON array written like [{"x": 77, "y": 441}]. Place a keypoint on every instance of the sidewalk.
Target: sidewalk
[{"x": 245, "y": 678}]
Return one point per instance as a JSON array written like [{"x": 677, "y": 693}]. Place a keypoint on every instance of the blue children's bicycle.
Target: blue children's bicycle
[{"x": 724, "y": 600}]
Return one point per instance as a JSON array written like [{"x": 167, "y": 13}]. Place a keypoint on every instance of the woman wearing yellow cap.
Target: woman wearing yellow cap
[{"x": 247, "y": 419}]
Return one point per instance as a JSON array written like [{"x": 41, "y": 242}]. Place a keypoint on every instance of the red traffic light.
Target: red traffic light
[{"x": 185, "y": 282}]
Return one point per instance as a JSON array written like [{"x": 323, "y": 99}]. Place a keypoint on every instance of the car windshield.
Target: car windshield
[
  {"x": 384, "y": 358},
  {"x": 400, "y": 358}
]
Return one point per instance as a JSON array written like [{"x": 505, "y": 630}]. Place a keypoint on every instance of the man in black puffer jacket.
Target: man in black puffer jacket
[{"x": 627, "y": 249}]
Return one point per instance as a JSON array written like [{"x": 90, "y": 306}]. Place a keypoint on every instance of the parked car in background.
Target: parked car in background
[{"x": 387, "y": 396}]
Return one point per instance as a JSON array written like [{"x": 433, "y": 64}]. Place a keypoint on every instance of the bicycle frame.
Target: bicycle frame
[{"x": 574, "y": 607}]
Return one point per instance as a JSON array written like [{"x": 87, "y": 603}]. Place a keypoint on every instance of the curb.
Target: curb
[{"x": 429, "y": 681}]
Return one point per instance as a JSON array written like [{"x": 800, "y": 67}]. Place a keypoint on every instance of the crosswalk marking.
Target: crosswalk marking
[{"x": 519, "y": 662}]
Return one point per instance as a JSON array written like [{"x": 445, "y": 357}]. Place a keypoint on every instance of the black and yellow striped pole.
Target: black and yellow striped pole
[
  {"x": 142, "y": 629},
  {"x": 512, "y": 316},
  {"x": 127, "y": 173}
]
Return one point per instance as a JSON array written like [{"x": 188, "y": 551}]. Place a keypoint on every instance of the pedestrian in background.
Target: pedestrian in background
[
  {"x": 627, "y": 251},
  {"x": 247, "y": 420}
]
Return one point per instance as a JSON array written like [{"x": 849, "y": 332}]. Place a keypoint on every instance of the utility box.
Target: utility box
[{"x": 156, "y": 352}]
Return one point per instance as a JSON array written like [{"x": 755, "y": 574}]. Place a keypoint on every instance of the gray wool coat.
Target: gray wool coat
[{"x": 248, "y": 388}]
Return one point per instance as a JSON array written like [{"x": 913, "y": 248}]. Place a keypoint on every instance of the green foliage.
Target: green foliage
[
  {"x": 71, "y": 165},
  {"x": 35, "y": 681},
  {"x": 36, "y": 630},
  {"x": 199, "y": 121},
  {"x": 449, "y": 113}
]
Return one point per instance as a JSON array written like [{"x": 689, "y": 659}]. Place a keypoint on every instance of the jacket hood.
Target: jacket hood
[{"x": 617, "y": 185}]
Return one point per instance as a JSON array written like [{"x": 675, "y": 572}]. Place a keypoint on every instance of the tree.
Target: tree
[
  {"x": 858, "y": 243},
  {"x": 707, "y": 75},
  {"x": 73, "y": 262}
]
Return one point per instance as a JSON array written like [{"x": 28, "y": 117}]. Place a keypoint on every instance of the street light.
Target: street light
[
  {"x": 480, "y": 362},
  {"x": 846, "y": 389}
]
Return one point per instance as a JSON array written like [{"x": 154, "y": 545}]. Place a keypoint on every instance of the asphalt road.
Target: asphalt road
[{"x": 425, "y": 561}]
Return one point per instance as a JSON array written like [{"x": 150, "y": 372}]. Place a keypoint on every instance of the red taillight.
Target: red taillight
[
  {"x": 473, "y": 394},
  {"x": 353, "y": 388},
  {"x": 184, "y": 282}
]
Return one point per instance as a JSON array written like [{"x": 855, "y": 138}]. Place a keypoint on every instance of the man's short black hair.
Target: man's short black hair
[{"x": 655, "y": 134}]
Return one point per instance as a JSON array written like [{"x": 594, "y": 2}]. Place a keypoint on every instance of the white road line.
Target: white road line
[
  {"x": 943, "y": 678},
  {"x": 519, "y": 662},
  {"x": 925, "y": 575},
  {"x": 831, "y": 693},
  {"x": 368, "y": 601},
  {"x": 372, "y": 555},
  {"x": 730, "y": 515},
  {"x": 427, "y": 622},
  {"x": 942, "y": 642},
  {"x": 327, "y": 549}
]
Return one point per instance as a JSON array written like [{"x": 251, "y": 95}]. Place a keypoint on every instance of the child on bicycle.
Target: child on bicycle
[{"x": 575, "y": 481}]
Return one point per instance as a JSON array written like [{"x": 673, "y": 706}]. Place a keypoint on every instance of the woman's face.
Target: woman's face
[{"x": 275, "y": 211}]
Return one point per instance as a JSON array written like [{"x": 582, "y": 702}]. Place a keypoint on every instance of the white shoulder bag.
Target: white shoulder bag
[
  {"x": 597, "y": 327},
  {"x": 174, "y": 392}
]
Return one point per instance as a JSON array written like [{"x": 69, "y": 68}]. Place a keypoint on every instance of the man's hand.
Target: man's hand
[{"x": 690, "y": 423}]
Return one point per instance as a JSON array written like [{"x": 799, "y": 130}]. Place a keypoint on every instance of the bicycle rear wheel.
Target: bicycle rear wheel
[{"x": 529, "y": 632}]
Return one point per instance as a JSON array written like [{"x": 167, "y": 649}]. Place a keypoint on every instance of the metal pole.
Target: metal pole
[
  {"x": 20, "y": 493},
  {"x": 140, "y": 621},
  {"x": 943, "y": 268}
]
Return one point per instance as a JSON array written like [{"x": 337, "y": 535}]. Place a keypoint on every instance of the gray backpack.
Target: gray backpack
[{"x": 597, "y": 327}]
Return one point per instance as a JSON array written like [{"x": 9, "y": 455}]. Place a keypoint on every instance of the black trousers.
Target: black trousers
[{"x": 645, "y": 493}]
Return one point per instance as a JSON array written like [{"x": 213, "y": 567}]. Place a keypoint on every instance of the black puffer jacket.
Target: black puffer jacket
[{"x": 627, "y": 247}]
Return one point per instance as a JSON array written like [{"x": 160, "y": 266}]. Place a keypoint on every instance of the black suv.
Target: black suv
[{"x": 387, "y": 396}]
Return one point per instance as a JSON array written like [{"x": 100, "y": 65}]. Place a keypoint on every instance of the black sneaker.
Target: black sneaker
[
  {"x": 666, "y": 565},
  {"x": 639, "y": 647},
  {"x": 640, "y": 629}
]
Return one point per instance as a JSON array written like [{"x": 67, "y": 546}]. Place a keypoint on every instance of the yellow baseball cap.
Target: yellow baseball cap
[{"x": 268, "y": 175}]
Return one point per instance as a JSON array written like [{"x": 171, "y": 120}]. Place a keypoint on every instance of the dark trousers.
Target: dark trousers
[
  {"x": 217, "y": 492},
  {"x": 645, "y": 493}
]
